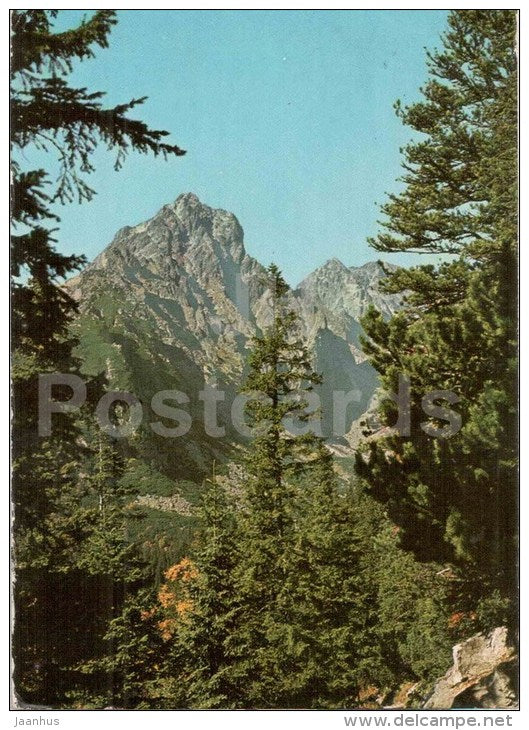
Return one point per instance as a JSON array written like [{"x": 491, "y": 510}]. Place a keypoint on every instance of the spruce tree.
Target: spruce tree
[
  {"x": 201, "y": 653},
  {"x": 265, "y": 645},
  {"x": 333, "y": 593},
  {"x": 52, "y": 619},
  {"x": 303, "y": 635}
]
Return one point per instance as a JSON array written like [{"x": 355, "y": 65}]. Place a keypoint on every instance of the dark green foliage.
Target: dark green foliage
[
  {"x": 73, "y": 559},
  {"x": 201, "y": 655},
  {"x": 282, "y": 610},
  {"x": 493, "y": 610},
  {"x": 107, "y": 550},
  {"x": 455, "y": 498},
  {"x": 334, "y": 593},
  {"x": 413, "y": 609},
  {"x": 134, "y": 656},
  {"x": 268, "y": 642}
]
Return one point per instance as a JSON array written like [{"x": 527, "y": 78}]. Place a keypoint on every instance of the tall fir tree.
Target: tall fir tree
[
  {"x": 303, "y": 635},
  {"x": 265, "y": 645}
]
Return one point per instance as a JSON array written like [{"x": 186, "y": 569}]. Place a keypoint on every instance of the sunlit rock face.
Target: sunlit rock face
[{"x": 172, "y": 304}]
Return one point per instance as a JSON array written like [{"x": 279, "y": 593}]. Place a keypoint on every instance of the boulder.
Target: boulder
[{"x": 483, "y": 675}]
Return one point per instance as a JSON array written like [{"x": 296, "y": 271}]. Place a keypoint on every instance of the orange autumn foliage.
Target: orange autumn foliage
[
  {"x": 165, "y": 595},
  {"x": 147, "y": 614},
  {"x": 456, "y": 618},
  {"x": 175, "y": 602},
  {"x": 184, "y": 571},
  {"x": 167, "y": 628}
]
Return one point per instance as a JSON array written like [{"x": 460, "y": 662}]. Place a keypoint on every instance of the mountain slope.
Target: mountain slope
[{"x": 172, "y": 303}]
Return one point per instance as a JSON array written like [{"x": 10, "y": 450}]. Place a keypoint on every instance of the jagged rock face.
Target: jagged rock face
[
  {"x": 173, "y": 302},
  {"x": 336, "y": 296},
  {"x": 483, "y": 675},
  {"x": 186, "y": 272},
  {"x": 348, "y": 291}
]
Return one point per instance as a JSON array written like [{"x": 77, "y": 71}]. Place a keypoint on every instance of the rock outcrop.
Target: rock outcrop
[{"x": 483, "y": 675}]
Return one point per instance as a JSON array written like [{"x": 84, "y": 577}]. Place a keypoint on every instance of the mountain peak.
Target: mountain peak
[
  {"x": 374, "y": 267},
  {"x": 332, "y": 268},
  {"x": 348, "y": 290},
  {"x": 334, "y": 263},
  {"x": 198, "y": 219},
  {"x": 185, "y": 238},
  {"x": 175, "y": 301},
  {"x": 188, "y": 198}
]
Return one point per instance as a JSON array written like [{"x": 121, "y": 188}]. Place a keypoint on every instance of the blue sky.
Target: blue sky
[{"x": 286, "y": 117}]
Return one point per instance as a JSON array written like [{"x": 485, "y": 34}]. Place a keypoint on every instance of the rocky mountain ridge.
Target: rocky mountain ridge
[{"x": 173, "y": 302}]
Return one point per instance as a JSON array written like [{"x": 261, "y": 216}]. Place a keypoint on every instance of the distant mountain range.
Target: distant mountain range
[{"x": 172, "y": 303}]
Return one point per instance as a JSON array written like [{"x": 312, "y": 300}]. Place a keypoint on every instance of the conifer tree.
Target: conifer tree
[
  {"x": 455, "y": 497},
  {"x": 334, "y": 594},
  {"x": 201, "y": 655},
  {"x": 280, "y": 370},
  {"x": 131, "y": 668},
  {"x": 52, "y": 116},
  {"x": 106, "y": 549},
  {"x": 303, "y": 635}
]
